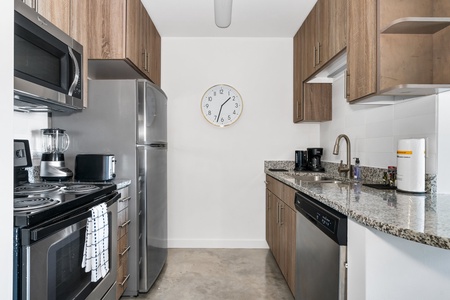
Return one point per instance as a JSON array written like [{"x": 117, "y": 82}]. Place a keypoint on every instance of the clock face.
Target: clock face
[{"x": 221, "y": 105}]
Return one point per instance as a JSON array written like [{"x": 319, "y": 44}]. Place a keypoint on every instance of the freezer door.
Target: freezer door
[
  {"x": 152, "y": 193},
  {"x": 152, "y": 114}
]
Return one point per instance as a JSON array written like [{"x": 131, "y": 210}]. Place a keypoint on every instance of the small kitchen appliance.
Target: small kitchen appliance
[
  {"x": 95, "y": 167},
  {"x": 411, "y": 165},
  {"x": 301, "y": 160},
  {"x": 54, "y": 142},
  {"x": 314, "y": 159}
]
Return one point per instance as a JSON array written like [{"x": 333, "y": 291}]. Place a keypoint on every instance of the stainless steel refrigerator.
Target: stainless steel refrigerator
[{"x": 128, "y": 118}]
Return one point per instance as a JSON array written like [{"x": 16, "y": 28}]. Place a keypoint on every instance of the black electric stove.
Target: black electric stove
[{"x": 35, "y": 203}]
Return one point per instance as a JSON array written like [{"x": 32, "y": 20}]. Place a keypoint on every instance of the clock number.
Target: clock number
[
  {"x": 236, "y": 105},
  {"x": 215, "y": 93},
  {"x": 209, "y": 98},
  {"x": 206, "y": 105},
  {"x": 234, "y": 112},
  {"x": 209, "y": 112},
  {"x": 229, "y": 117},
  {"x": 222, "y": 120},
  {"x": 221, "y": 91},
  {"x": 233, "y": 98},
  {"x": 215, "y": 118}
]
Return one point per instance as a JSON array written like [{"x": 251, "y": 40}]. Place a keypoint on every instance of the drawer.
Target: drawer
[
  {"x": 123, "y": 220},
  {"x": 122, "y": 250},
  {"x": 122, "y": 280},
  {"x": 123, "y": 202}
]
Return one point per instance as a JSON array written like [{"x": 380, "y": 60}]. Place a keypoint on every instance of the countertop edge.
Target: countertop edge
[{"x": 366, "y": 220}]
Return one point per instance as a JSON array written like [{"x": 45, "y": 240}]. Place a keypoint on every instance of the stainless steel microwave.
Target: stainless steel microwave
[{"x": 47, "y": 65}]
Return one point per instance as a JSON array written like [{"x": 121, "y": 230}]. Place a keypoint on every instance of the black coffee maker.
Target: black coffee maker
[
  {"x": 314, "y": 159},
  {"x": 301, "y": 160}
]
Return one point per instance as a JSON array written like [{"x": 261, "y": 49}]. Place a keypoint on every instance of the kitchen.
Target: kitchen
[{"x": 261, "y": 69}]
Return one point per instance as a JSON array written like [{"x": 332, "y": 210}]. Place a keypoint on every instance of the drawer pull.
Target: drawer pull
[
  {"x": 125, "y": 199},
  {"x": 125, "y": 251},
  {"x": 125, "y": 280},
  {"x": 125, "y": 224}
]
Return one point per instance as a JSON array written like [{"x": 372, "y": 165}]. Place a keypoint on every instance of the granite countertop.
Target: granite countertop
[{"x": 421, "y": 218}]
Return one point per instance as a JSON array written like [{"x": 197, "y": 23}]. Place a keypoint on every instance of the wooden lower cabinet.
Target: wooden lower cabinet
[
  {"x": 280, "y": 227},
  {"x": 123, "y": 245}
]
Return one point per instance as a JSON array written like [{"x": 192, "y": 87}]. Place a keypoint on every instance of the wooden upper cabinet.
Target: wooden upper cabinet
[
  {"x": 397, "y": 48},
  {"x": 123, "y": 30},
  {"x": 57, "y": 12},
  {"x": 361, "y": 49},
  {"x": 326, "y": 33}
]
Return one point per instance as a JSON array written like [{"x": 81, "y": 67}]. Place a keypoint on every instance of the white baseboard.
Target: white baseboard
[{"x": 237, "y": 244}]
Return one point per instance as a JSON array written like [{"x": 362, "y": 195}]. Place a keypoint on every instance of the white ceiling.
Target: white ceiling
[{"x": 250, "y": 18}]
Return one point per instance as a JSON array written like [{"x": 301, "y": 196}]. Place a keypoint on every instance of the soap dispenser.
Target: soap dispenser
[{"x": 357, "y": 170}]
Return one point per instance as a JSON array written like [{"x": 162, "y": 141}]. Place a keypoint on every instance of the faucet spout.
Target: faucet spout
[{"x": 347, "y": 167}]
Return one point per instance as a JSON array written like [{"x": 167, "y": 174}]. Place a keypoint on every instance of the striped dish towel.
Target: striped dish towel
[{"x": 95, "y": 256}]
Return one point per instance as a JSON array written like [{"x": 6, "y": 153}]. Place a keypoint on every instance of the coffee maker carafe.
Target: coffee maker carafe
[
  {"x": 314, "y": 159},
  {"x": 301, "y": 160},
  {"x": 54, "y": 142}
]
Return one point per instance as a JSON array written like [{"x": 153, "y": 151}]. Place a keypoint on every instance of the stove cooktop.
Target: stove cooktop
[{"x": 35, "y": 203}]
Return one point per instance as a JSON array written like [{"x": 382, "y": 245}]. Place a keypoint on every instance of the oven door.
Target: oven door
[{"x": 52, "y": 265}]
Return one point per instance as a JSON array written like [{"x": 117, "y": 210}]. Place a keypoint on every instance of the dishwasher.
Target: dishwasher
[{"x": 321, "y": 251}]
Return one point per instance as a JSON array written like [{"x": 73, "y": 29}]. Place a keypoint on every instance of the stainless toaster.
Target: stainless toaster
[{"x": 95, "y": 167}]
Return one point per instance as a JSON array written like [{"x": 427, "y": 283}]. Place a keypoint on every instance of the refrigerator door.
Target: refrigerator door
[
  {"x": 152, "y": 114},
  {"x": 152, "y": 193}
]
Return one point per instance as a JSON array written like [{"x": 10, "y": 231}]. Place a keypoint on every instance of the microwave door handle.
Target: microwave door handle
[{"x": 77, "y": 72}]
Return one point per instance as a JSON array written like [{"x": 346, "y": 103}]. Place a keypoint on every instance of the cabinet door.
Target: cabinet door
[
  {"x": 106, "y": 29},
  {"x": 57, "y": 12},
  {"x": 271, "y": 218},
  {"x": 134, "y": 32},
  {"x": 288, "y": 236},
  {"x": 317, "y": 101},
  {"x": 309, "y": 44},
  {"x": 361, "y": 48},
  {"x": 155, "y": 54},
  {"x": 337, "y": 33},
  {"x": 323, "y": 23}
]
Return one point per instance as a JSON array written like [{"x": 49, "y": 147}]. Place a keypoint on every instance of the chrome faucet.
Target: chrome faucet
[{"x": 347, "y": 167}]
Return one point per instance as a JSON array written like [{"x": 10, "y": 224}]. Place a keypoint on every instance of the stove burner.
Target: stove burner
[
  {"x": 37, "y": 188},
  {"x": 33, "y": 203},
  {"x": 80, "y": 188}
]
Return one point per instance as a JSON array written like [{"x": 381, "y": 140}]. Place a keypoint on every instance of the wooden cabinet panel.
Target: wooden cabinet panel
[
  {"x": 317, "y": 101},
  {"x": 337, "y": 33},
  {"x": 123, "y": 30},
  {"x": 57, "y": 12},
  {"x": 123, "y": 246},
  {"x": 298, "y": 77},
  {"x": 134, "y": 32},
  {"x": 361, "y": 48},
  {"x": 107, "y": 21},
  {"x": 280, "y": 227}
]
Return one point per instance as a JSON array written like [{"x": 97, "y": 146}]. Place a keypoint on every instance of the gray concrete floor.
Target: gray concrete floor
[{"x": 219, "y": 274}]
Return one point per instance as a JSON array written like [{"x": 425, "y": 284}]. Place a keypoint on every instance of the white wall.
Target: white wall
[
  {"x": 216, "y": 175},
  {"x": 27, "y": 126},
  {"x": 6, "y": 149},
  {"x": 443, "y": 177},
  {"x": 374, "y": 130}
]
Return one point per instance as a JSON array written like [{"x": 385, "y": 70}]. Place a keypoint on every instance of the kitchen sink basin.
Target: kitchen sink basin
[{"x": 316, "y": 178}]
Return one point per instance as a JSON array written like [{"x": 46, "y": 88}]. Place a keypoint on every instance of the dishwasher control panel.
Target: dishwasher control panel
[{"x": 328, "y": 220}]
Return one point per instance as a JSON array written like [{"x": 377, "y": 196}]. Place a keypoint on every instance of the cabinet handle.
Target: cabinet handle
[
  {"x": 125, "y": 199},
  {"x": 125, "y": 224},
  {"x": 147, "y": 66},
  {"x": 278, "y": 213},
  {"x": 125, "y": 251},
  {"x": 318, "y": 53},
  {"x": 347, "y": 85},
  {"x": 35, "y": 5},
  {"x": 125, "y": 280},
  {"x": 281, "y": 214},
  {"x": 266, "y": 182},
  {"x": 314, "y": 60}
]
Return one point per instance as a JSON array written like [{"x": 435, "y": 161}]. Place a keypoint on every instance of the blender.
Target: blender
[{"x": 54, "y": 142}]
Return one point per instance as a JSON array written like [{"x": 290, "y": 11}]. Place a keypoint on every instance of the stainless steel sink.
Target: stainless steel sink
[{"x": 316, "y": 178}]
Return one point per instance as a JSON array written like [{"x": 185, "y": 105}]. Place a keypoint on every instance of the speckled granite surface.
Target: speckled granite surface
[{"x": 421, "y": 218}]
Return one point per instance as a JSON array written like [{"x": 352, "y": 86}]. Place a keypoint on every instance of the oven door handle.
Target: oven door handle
[{"x": 41, "y": 232}]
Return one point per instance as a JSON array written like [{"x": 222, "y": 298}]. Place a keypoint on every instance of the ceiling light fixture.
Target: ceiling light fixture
[{"x": 222, "y": 12}]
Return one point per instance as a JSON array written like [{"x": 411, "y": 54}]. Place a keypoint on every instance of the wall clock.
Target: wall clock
[{"x": 221, "y": 105}]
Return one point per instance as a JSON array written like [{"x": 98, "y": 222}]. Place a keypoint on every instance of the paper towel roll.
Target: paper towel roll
[{"x": 411, "y": 165}]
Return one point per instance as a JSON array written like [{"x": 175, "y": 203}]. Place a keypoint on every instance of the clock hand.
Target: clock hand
[{"x": 218, "y": 116}]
